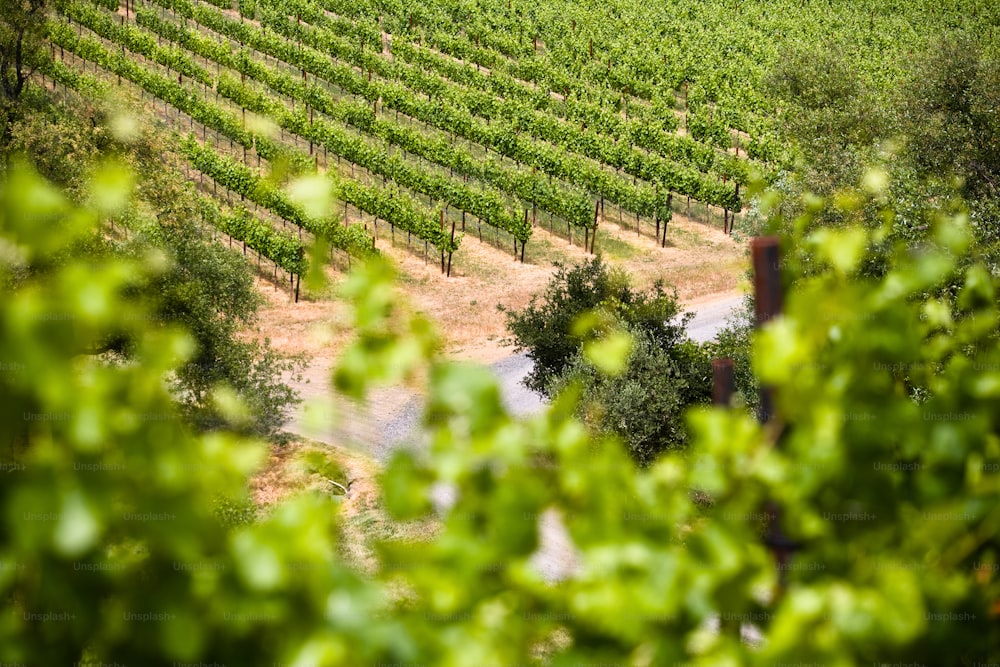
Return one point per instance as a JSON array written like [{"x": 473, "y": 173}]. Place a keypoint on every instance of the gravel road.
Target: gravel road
[
  {"x": 391, "y": 418},
  {"x": 711, "y": 317}
]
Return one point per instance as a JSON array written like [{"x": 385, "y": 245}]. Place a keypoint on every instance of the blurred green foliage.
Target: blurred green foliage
[
  {"x": 114, "y": 543},
  {"x": 113, "y": 546},
  {"x": 891, "y": 497},
  {"x": 204, "y": 287}
]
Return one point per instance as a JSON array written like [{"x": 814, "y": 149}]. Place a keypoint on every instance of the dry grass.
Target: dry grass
[
  {"x": 286, "y": 472},
  {"x": 699, "y": 260},
  {"x": 312, "y": 327},
  {"x": 363, "y": 519}
]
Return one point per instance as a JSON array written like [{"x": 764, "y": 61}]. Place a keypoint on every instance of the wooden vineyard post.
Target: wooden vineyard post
[
  {"x": 441, "y": 224},
  {"x": 736, "y": 207},
  {"x": 301, "y": 256},
  {"x": 768, "y": 297},
  {"x": 451, "y": 245},
  {"x": 766, "y": 258},
  {"x": 523, "y": 243},
  {"x": 670, "y": 209}
]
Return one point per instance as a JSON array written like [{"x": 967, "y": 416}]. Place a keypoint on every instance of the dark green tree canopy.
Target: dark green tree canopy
[
  {"x": 545, "y": 328},
  {"x": 663, "y": 374},
  {"x": 21, "y": 29}
]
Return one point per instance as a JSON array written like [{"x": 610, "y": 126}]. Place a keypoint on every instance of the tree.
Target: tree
[
  {"x": 546, "y": 327},
  {"x": 21, "y": 27},
  {"x": 828, "y": 115},
  {"x": 949, "y": 104},
  {"x": 663, "y": 374},
  {"x": 949, "y": 118},
  {"x": 210, "y": 292},
  {"x": 644, "y": 405},
  {"x": 936, "y": 126},
  {"x": 21, "y": 30}
]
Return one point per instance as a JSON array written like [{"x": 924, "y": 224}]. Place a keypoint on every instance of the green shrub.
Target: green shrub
[
  {"x": 644, "y": 405},
  {"x": 545, "y": 327}
]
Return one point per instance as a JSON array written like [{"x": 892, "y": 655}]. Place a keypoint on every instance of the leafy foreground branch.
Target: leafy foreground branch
[
  {"x": 111, "y": 552},
  {"x": 205, "y": 288}
]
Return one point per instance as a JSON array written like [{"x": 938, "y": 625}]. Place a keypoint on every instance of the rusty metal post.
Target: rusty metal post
[
  {"x": 766, "y": 257},
  {"x": 768, "y": 299},
  {"x": 723, "y": 382}
]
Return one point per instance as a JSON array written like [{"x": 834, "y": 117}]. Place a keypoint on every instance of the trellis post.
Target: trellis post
[{"x": 766, "y": 257}]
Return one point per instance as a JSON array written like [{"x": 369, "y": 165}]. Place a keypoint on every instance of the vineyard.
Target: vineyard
[
  {"x": 439, "y": 120},
  {"x": 411, "y": 136}
]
